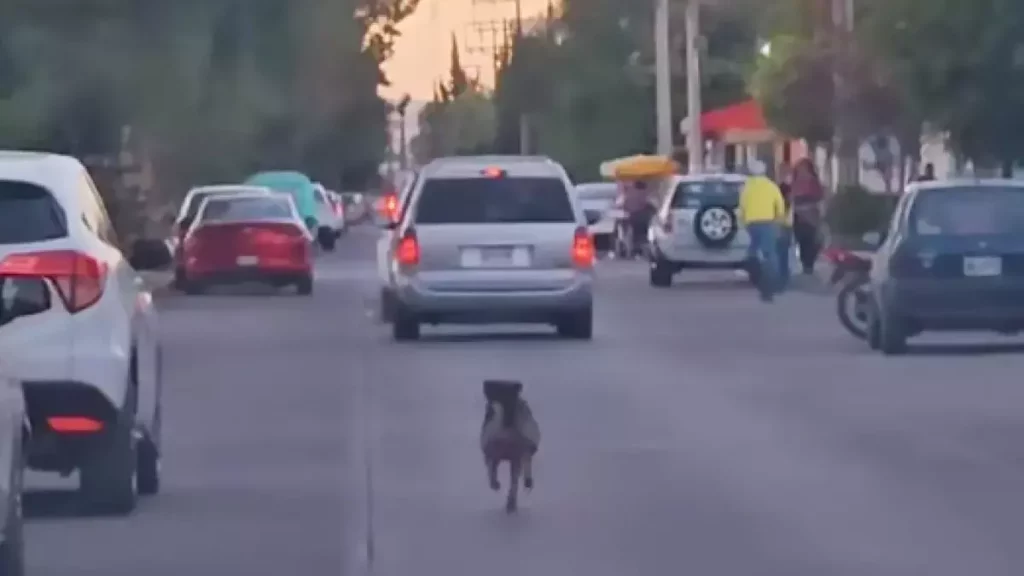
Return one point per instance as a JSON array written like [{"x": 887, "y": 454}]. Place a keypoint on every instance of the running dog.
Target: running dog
[{"x": 509, "y": 434}]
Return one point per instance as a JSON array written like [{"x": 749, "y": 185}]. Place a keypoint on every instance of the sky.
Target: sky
[{"x": 422, "y": 53}]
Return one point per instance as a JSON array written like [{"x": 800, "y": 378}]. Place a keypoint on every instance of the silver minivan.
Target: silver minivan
[{"x": 492, "y": 239}]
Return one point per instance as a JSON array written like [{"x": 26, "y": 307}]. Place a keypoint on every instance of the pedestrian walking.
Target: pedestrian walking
[
  {"x": 807, "y": 196},
  {"x": 785, "y": 227},
  {"x": 761, "y": 209}
]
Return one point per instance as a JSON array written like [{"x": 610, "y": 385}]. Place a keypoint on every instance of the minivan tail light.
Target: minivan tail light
[
  {"x": 79, "y": 278},
  {"x": 583, "y": 248},
  {"x": 407, "y": 253},
  {"x": 389, "y": 208}
]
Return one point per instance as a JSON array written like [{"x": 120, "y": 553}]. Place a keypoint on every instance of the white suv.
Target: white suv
[
  {"x": 84, "y": 339},
  {"x": 698, "y": 227}
]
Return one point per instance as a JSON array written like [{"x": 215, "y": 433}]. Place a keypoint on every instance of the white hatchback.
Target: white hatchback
[{"x": 698, "y": 226}]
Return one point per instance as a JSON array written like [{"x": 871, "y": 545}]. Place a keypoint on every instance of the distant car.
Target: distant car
[
  {"x": 330, "y": 216},
  {"x": 953, "y": 259},
  {"x": 189, "y": 209},
  {"x": 698, "y": 227},
  {"x": 340, "y": 210},
  {"x": 388, "y": 209},
  {"x": 492, "y": 239},
  {"x": 79, "y": 332},
  {"x": 295, "y": 184},
  {"x": 248, "y": 238},
  {"x": 599, "y": 198},
  {"x": 14, "y": 434}
]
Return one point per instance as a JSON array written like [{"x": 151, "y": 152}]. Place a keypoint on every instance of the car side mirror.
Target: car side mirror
[
  {"x": 593, "y": 216},
  {"x": 150, "y": 254}
]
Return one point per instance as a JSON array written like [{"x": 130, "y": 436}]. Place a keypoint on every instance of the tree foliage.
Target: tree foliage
[
  {"x": 961, "y": 65},
  {"x": 794, "y": 86},
  {"x": 214, "y": 89}
]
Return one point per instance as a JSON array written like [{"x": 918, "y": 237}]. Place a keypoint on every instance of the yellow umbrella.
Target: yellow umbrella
[{"x": 639, "y": 167}]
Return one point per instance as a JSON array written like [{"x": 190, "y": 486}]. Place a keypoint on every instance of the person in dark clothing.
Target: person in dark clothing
[
  {"x": 929, "y": 173},
  {"x": 807, "y": 196}
]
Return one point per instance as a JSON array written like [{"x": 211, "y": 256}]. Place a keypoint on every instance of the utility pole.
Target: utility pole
[
  {"x": 663, "y": 78},
  {"x": 695, "y": 109},
  {"x": 492, "y": 48},
  {"x": 524, "y": 120}
]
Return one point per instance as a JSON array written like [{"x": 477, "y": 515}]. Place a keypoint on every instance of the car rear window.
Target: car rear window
[
  {"x": 607, "y": 193},
  {"x": 493, "y": 201},
  {"x": 246, "y": 209},
  {"x": 28, "y": 213},
  {"x": 968, "y": 211},
  {"x": 698, "y": 194}
]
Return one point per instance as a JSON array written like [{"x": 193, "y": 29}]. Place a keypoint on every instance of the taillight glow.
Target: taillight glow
[
  {"x": 74, "y": 424},
  {"x": 79, "y": 278},
  {"x": 583, "y": 252},
  {"x": 493, "y": 172},
  {"x": 389, "y": 207},
  {"x": 407, "y": 253}
]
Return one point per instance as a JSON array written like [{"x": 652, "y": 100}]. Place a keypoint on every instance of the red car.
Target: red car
[{"x": 248, "y": 238}]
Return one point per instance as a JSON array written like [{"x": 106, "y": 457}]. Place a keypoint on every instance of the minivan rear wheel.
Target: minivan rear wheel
[
  {"x": 405, "y": 325},
  {"x": 577, "y": 325},
  {"x": 108, "y": 482}
]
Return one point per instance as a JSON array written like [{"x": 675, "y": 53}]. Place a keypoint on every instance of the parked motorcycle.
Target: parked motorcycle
[{"x": 851, "y": 271}]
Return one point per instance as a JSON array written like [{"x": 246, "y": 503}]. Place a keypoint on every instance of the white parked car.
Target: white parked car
[
  {"x": 331, "y": 218},
  {"x": 83, "y": 337},
  {"x": 698, "y": 227},
  {"x": 600, "y": 198}
]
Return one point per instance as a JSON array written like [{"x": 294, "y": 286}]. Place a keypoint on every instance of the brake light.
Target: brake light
[
  {"x": 389, "y": 208},
  {"x": 583, "y": 248},
  {"x": 492, "y": 172},
  {"x": 79, "y": 278},
  {"x": 407, "y": 253},
  {"x": 74, "y": 424}
]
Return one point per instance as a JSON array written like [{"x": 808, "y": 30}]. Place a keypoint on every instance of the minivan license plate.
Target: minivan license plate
[
  {"x": 983, "y": 266},
  {"x": 247, "y": 260}
]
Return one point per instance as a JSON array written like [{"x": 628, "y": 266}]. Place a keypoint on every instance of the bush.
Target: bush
[{"x": 854, "y": 211}]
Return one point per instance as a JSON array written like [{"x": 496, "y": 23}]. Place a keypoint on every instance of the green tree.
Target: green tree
[
  {"x": 961, "y": 65},
  {"x": 794, "y": 87}
]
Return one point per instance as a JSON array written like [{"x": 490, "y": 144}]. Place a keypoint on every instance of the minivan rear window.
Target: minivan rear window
[
  {"x": 968, "y": 211},
  {"x": 28, "y": 213},
  {"x": 493, "y": 201},
  {"x": 698, "y": 194}
]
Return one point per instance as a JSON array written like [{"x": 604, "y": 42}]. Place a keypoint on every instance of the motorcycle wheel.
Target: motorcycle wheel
[{"x": 852, "y": 307}]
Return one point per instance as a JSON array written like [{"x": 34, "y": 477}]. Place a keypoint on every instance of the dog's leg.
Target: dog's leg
[
  {"x": 492, "y": 474},
  {"x": 528, "y": 471},
  {"x": 514, "y": 471}
]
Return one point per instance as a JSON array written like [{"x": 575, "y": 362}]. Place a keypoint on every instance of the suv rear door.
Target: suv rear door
[
  {"x": 480, "y": 223},
  {"x": 694, "y": 200},
  {"x": 32, "y": 320}
]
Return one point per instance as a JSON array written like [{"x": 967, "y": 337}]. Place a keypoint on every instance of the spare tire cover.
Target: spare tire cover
[{"x": 715, "y": 226}]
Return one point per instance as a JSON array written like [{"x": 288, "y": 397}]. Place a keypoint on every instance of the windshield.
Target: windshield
[
  {"x": 698, "y": 194},
  {"x": 968, "y": 211},
  {"x": 246, "y": 209},
  {"x": 493, "y": 200}
]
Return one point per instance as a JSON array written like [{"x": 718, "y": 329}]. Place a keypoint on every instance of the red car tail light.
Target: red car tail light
[
  {"x": 74, "y": 424},
  {"x": 407, "y": 253},
  {"x": 583, "y": 248},
  {"x": 79, "y": 278},
  {"x": 389, "y": 208}
]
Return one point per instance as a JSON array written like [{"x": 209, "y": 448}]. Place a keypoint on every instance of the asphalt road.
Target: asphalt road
[{"x": 701, "y": 432}]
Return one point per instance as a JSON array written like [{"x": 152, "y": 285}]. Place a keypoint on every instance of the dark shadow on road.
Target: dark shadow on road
[
  {"x": 490, "y": 337},
  {"x": 53, "y": 504},
  {"x": 985, "y": 349}
]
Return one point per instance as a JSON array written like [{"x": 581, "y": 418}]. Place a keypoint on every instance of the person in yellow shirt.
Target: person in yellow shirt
[{"x": 762, "y": 208}]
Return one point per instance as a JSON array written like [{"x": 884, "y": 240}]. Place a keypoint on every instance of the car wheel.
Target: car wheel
[
  {"x": 387, "y": 306},
  {"x": 304, "y": 285},
  {"x": 12, "y": 552},
  {"x": 180, "y": 280},
  {"x": 108, "y": 482},
  {"x": 193, "y": 288},
  {"x": 659, "y": 274},
  {"x": 892, "y": 334},
  {"x": 326, "y": 239},
  {"x": 874, "y": 332},
  {"x": 577, "y": 325},
  {"x": 148, "y": 468},
  {"x": 405, "y": 325}
]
